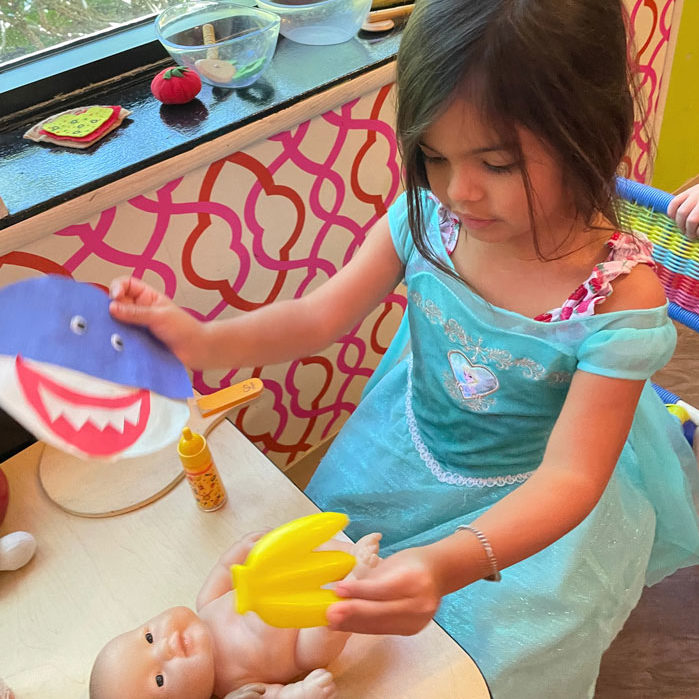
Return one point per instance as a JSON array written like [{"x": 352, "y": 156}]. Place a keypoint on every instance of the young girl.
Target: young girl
[{"x": 517, "y": 429}]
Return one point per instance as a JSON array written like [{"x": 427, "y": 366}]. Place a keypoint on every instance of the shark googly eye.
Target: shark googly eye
[
  {"x": 78, "y": 325},
  {"x": 117, "y": 342}
]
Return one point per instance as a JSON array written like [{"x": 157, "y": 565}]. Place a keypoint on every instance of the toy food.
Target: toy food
[
  {"x": 16, "y": 550},
  {"x": 79, "y": 127},
  {"x": 282, "y": 576},
  {"x": 175, "y": 85},
  {"x": 215, "y": 70}
]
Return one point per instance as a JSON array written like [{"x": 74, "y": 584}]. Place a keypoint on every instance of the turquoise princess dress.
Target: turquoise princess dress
[{"x": 459, "y": 417}]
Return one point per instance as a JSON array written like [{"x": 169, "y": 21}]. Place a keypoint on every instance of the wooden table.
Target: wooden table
[{"x": 94, "y": 578}]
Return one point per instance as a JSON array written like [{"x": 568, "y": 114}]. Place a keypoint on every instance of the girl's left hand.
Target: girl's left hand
[
  {"x": 400, "y": 595},
  {"x": 684, "y": 208}
]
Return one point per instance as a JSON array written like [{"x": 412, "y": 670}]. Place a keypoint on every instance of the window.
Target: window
[
  {"x": 52, "y": 48},
  {"x": 29, "y": 28}
]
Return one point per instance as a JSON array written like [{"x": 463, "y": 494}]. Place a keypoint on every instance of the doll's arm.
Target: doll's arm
[
  {"x": 248, "y": 691},
  {"x": 219, "y": 581},
  {"x": 684, "y": 208},
  {"x": 318, "y": 646},
  {"x": 5, "y": 691},
  {"x": 318, "y": 684}
]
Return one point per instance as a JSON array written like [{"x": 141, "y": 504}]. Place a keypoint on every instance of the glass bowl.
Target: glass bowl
[
  {"x": 319, "y": 21},
  {"x": 226, "y": 43}
]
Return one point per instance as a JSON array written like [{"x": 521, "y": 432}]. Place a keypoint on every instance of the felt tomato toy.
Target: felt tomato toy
[{"x": 175, "y": 85}]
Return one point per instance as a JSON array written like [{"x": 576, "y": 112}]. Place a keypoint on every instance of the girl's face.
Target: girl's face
[
  {"x": 479, "y": 180},
  {"x": 168, "y": 657}
]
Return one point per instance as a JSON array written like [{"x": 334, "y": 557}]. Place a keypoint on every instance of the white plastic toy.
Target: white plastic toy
[{"x": 16, "y": 550}]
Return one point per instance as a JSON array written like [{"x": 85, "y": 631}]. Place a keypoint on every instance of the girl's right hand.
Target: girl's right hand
[
  {"x": 400, "y": 595},
  {"x": 136, "y": 303},
  {"x": 684, "y": 208}
]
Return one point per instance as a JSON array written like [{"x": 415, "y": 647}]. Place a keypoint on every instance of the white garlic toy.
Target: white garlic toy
[{"x": 16, "y": 550}]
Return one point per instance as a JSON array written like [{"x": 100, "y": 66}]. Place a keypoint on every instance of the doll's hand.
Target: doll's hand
[
  {"x": 240, "y": 550},
  {"x": 5, "y": 691},
  {"x": 249, "y": 691},
  {"x": 137, "y": 303},
  {"x": 398, "y": 596},
  {"x": 684, "y": 208}
]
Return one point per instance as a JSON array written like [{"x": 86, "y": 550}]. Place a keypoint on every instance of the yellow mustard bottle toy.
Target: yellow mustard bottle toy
[{"x": 201, "y": 471}]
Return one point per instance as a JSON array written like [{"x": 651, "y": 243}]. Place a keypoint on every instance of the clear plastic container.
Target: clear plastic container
[
  {"x": 320, "y": 22},
  {"x": 226, "y": 43}
]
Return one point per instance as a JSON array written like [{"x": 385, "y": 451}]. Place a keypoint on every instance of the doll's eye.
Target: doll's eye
[
  {"x": 117, "y": 342},
  {"x": 149, "y": 637},
  {"x": 78, "y": 325},
  {"x": 159, "y": 680}
]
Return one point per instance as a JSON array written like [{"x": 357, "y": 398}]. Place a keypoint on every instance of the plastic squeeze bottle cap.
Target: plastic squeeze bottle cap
[{"x": 192, "y": 450}]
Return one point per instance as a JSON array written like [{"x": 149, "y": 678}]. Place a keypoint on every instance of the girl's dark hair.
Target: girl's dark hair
[{"x": 558, "y": 68}]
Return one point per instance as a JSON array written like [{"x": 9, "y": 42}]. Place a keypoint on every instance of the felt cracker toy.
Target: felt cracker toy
[
  {"x": 282, "y": 576},
  {"x": 82, "y": 381},
  {"x": 79, "y": 127}
]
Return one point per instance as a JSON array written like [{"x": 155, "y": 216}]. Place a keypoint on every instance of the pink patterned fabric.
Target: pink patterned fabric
[
  {"x": 626, "y": 251},
  {"x": 449, "y": 225}
]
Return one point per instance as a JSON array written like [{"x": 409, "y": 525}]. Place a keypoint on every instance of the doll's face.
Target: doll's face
[{"x": 168, "y": 657}]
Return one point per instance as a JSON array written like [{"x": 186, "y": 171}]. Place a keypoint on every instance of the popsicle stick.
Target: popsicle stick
[{"x": 230, "y": 397}]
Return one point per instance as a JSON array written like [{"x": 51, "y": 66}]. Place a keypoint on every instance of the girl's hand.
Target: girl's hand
[
  {"x": 398, "y": 596},
  {"x": 684, "y": 208},
  {"x": 137, "y": 303}
]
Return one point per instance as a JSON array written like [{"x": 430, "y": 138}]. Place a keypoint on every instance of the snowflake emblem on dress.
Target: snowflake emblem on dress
[{"x": 479, "y": 404}]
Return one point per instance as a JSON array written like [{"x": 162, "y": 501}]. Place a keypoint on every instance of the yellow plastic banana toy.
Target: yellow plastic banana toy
[{"x": 282, "y": 576}]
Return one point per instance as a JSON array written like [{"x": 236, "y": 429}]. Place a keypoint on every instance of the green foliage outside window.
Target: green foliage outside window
[{"x": 28, "y": 26}]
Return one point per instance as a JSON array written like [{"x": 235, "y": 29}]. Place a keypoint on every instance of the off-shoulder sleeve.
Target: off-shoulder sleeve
[
  {"x": 400, "y": 230},
  {"x": 628, "y": 351}
]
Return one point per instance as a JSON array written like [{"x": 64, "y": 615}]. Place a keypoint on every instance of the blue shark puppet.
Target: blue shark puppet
[{"x": 82, "y": 381}]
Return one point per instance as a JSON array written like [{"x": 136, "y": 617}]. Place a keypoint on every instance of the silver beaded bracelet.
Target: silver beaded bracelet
[{"x": 495, "y": 575}]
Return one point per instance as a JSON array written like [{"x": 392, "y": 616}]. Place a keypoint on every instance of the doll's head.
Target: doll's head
[{"x": 170, "y": 656}]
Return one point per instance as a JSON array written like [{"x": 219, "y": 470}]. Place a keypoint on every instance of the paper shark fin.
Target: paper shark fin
[{"x": 282, "y": 577}]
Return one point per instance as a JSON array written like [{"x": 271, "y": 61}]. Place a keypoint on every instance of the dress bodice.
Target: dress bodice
[{"x": 470, "y": 358}]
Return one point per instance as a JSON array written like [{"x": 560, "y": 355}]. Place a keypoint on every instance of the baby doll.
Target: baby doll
[{"x": 183, "y": 655}]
